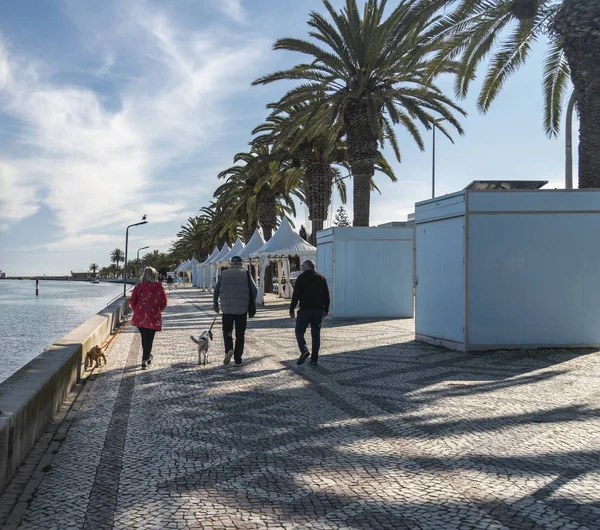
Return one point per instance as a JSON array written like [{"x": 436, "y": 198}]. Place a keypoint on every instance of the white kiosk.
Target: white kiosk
[
  {"x": 505, "y": 265},
  {"x": 369, "y": 270}
]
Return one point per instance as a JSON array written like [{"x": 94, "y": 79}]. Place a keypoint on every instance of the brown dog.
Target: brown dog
[{"x": 94, "y": 355}]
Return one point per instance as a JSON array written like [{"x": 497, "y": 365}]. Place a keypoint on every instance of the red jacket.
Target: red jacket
[{"x": 148, "y": 300}]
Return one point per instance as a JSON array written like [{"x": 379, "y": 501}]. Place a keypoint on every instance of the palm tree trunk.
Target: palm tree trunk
[
  {"x": 318, "y": 185},
  {"x": 577, "y": 24},
  {"x": 248, "y": 231},
  {"x": 362, "y": 155}
]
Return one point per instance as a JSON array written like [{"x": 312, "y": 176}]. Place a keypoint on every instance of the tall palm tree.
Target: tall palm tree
[
  {"x": 94, "y": 267},
  {"x": 373, "y": 73},
  {"x": 265, "y": 186},
  {"x": 194, "y": 238},
  {"x": 161, "y": 261},
  {"x": 224, "y": 226},
  {"x": 117, "y": 256},
  {"x": 471, "y": 28},
  {"x": 317, "y": 151}
]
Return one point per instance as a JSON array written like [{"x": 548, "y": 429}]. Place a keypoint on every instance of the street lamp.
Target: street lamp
[
  {"x": 569, "y": 143},
  {"x": 138, "y": 259},
  {"x": 142, "y": 222},
  {"x": 433, "y": 158}
]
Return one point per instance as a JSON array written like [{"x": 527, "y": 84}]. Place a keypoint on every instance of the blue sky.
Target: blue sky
[{"x": 111, "y": 110}]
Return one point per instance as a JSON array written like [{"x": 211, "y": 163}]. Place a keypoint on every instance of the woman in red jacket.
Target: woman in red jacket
[{"x": 148, "y": 300}]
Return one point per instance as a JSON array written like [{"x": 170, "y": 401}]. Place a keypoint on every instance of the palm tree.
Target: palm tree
[
  {"x": 161, "y": 261},
  {"x": 265, "y": 187},
  {"x": 94, "y": 267},
  {"x": 317, "y": 151},
  {"x": 115, "y": 270},
  {"x": 472, "y": 27},
  {"x": 374, "y": 75},
  {"x": 194, "y": 238},
  {"x": 117, "y": 256}
]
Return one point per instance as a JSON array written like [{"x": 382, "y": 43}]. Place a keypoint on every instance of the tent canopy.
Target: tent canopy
[
  {"x": 224, "y": 251},
  {"x": 181, "y": 266},
  {"x": 284, "y": 243},
  {"x": 238, "y": 246},
  {"x": 212, "y": 256},
  {"x": 256, "y": 241}
]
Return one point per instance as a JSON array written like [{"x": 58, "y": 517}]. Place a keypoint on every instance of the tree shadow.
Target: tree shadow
[{"x": 403, "y": 435}]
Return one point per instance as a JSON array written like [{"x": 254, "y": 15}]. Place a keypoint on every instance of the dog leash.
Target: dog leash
[
  {"x": 213, "y": 322},
  {"x": 105, "y": 345}
]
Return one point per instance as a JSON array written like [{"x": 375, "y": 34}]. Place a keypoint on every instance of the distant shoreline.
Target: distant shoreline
[{"x": 130, "y": 281}]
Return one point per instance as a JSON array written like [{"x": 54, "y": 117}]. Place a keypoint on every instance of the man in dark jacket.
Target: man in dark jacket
[
  {"x": 235, "y": 287},
  {"x": 313, "y": 294}
]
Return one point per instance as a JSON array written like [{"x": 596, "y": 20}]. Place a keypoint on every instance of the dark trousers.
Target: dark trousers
[
  {"x": 147, "y": 340},
  {"x": 240, "y": 322},
  {"x": 313, "y": 319}
]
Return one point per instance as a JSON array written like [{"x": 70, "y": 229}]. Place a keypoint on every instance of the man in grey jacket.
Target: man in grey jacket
[{"x": 235, "y": 287}]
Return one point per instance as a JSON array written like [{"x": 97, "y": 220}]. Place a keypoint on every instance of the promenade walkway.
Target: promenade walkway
[{"x": 383, "y": 433}]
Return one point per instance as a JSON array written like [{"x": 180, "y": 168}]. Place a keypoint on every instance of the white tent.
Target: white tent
[
  {"x": 181, "y": 267},
  {"x": 238, "y": 246},
  {"x": 256, "y": 241},
  {"x": 195, "y": 273},
  {"x": 186, "y": 270},
  {"x": 205, "y": 268},
  {"x": 284, "y": 244},
  {"x": 214, "y": 266}
]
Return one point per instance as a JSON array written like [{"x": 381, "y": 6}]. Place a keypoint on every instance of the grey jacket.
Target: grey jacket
[{"x": 232, "y": 288}]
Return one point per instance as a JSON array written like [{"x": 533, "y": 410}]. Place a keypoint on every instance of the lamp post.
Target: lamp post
[
  {"x": 138, "y": 259},
  {"x": 142, "y": 222},
  {"x": 569, "y": 143},
  {"x": 433, "y": 158}
]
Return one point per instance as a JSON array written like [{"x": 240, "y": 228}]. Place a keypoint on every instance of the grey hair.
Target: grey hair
[
  {"x": 308, "y": 265},
  {"x": 150, "y": 275}
]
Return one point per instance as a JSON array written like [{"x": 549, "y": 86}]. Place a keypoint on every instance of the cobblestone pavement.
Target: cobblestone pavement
[{"x": 383, "y": 433}]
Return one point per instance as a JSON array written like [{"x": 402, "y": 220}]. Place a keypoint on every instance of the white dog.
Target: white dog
[{"x": 203, "y": 342}]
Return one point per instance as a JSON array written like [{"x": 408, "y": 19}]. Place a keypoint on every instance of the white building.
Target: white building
[{"x": 499, "y": 266}]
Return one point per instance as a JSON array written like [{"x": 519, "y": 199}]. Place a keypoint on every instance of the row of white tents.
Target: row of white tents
[{"x": 284, "y": 245}]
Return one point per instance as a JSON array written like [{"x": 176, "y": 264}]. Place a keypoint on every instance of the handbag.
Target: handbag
[{"x": 251, "y": 302}]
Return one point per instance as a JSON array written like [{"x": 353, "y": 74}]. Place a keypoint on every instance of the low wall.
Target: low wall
[{"x": 31, "y": 396}]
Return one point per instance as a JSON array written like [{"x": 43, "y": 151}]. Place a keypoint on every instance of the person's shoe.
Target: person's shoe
[
  {"x": 228, "y": 357},
  {"x": 314, "y": 362},
  {"x": 238, "y": 364},
  {"x": 303, "y": 356},
  {"x": 149, "y": 361},
  {"x": 144, "y": 365}
]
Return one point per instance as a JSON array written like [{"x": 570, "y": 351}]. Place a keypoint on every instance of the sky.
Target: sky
[{"x": 115, "y": 109}]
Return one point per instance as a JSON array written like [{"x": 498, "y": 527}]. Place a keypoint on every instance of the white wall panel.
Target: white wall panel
[
  {"x": 369, "y": 270},
  {"x": 533, "y": 279},
  {"x": 440, "y": 292}
]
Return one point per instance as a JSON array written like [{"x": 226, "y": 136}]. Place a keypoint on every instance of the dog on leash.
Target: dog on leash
[
  {"x": 203, "y": 342},
  {"x": 94, "y": 355}
]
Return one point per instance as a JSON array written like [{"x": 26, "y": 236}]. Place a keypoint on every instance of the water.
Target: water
[{"x": 29, "y": 323}]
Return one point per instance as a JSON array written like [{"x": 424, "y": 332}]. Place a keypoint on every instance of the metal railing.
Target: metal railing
[{"x": 120, "y": 295}]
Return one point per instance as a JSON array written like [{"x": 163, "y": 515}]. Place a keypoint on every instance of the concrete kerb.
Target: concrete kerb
[{"x": 31, "y": 396}]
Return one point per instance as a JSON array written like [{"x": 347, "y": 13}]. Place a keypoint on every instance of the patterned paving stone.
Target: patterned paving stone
[{"x": 383, "y": 433}]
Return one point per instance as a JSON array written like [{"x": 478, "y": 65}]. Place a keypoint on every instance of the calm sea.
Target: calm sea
[{"x": 29, "y": 323}]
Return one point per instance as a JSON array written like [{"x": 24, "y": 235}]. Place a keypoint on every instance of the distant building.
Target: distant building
[
  {"x": 2, "y": 274},
  {"x": 80, "y": 275}
]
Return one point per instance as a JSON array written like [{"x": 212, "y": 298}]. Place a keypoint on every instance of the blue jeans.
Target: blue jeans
[{"x": 313, "y": 319}]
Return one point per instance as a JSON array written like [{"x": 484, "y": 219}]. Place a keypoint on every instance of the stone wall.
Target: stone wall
[{"x": 31, "y": 396}]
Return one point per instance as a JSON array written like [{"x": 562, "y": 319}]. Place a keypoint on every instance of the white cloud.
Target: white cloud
[
  {"x": 3, "y": 227},
  {"x": 233, "y": 9},
  {"x": 95, "y": 166},
  {"x": 83, "y": 241},
  {"x": 18, "y": 197}
]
